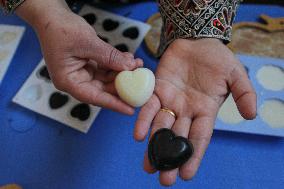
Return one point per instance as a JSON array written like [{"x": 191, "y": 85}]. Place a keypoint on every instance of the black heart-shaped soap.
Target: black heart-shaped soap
[
  {"x": 131, "y": 32},
  {"x": 43, "y": 72},
  {"x": 90, "y": 18},
  {"x": 110, "y": 24},
  {"x": 57, "y": 100},
  {"x": 103, "y": 38},
  {"x": 81, "y": 111},
  {"x": 122, "y": 47},
  {"x": 167, "y": 151}
]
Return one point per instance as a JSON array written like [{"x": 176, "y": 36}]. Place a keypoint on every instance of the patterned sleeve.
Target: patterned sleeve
[
  {"x": 2, "y": 3},
  {"x": 196, "y": 19},
  {"x": 10, "y": 5}
]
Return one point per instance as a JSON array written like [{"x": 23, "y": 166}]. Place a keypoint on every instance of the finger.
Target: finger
[
  {"x": 168, "y": 178},
  {"x": 110, "y": 88},
  {"x": 145, "y": 118},
  {"x": 243, "y": 92},
  {"x": 180, "y": 128},
  {"x": 128, "y": 54},
  {"x": 147, "y": 166},
  {"x": 91, "y": 93},
  {"x": 109, "y": 57},
  {"x": 109, "y": 101},
  {"x": 100, "y": 68},
  {"x": 139, "y": 62},
  {"x": 162, "y": 120},
  {"x": 105, "y": 76},
  {"x": 200, "y": 134},
  {"x": 101, "y": 74}
]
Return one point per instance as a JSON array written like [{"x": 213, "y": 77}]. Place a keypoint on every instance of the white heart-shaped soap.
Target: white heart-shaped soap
[{"x": 135, "y": 87}]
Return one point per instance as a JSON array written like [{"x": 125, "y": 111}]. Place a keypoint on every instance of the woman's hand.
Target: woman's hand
[
  {"x": 79, "y": 62},
  {"x": 193, "y": 79}
]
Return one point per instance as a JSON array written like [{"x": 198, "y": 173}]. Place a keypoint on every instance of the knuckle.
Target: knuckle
[
  {"x": 116, "y": 58},
  {"x": 159, "y": 124},
  {"x": 188, "y": 175},
  {"x": 95, "y": 96},
  {"x": 59, "y": 85},
  {"x": 150, "y": 107},
  {"x": 128, "y": 54},
  {"x": 113, "y": 56}
]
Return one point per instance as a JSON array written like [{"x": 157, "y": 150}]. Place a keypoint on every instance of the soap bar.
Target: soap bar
[
  {"x": 135, "y": 87},
  {"x": 167, "y": 151}
]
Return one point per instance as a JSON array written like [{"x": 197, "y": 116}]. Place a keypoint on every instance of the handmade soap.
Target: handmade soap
[
  {"x": 110, "y": 24},
  {"x": 122, "y": 47},
  {"x": 43, "y": 72},
  {"x": 135, "y": 87},
  {"x": 272, "y": 113},
  {"x": 131, "y": 33},
  {"x": 81, "y": 111},
  {"x": 271, "y": 78},
  {"x": 167, "y": 151},
  {"x": 57, "y": 100},
  {"x": 90, "y": 18}
]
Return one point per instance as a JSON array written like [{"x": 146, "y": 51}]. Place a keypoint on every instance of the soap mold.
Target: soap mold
[{"x": 257, "y": 126}]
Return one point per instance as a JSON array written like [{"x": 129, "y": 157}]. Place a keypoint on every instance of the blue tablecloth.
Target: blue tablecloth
[{"x": 37, "y": 152}]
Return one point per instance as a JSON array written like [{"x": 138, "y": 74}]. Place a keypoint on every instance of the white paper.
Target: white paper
[{"x": 10, "y": 37}]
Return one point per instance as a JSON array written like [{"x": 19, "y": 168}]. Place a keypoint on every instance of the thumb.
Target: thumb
[
  {"x": 107, "y": 56},
  {"x": 243, "y": 92}
]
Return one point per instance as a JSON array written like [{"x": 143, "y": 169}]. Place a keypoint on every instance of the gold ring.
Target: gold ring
[{"x": 168, "y": 111}]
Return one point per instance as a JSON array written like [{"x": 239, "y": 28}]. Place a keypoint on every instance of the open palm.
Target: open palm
[{"x": 193, "y": 79}]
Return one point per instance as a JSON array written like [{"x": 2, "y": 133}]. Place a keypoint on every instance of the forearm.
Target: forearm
[
  {"x": 38, "y": 13},
  {"x": 193, "y": 19}
]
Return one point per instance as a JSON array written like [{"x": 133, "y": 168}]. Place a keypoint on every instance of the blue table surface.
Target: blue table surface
[{"x": 37, "y": 152}]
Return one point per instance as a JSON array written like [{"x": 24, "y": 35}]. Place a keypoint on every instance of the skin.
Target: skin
[{"x": 193, "y": 78}]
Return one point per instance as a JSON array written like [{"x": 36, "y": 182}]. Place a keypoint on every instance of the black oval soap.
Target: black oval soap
[{"x": 167, "y": 151}]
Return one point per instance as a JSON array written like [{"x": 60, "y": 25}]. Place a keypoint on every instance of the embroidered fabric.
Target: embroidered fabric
[
  {"x": 196, "y": 19},
  {"x": 183, "y": 18},
  {"x": 10, "y": 5}
]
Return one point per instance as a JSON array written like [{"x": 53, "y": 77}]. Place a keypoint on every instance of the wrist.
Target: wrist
[
  {"x": 38, "y": 13},
  {"x": 190, "y": 45}
]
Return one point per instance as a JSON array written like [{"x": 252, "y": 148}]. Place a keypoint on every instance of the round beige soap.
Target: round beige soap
[{"x": 135, "y": 87}]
